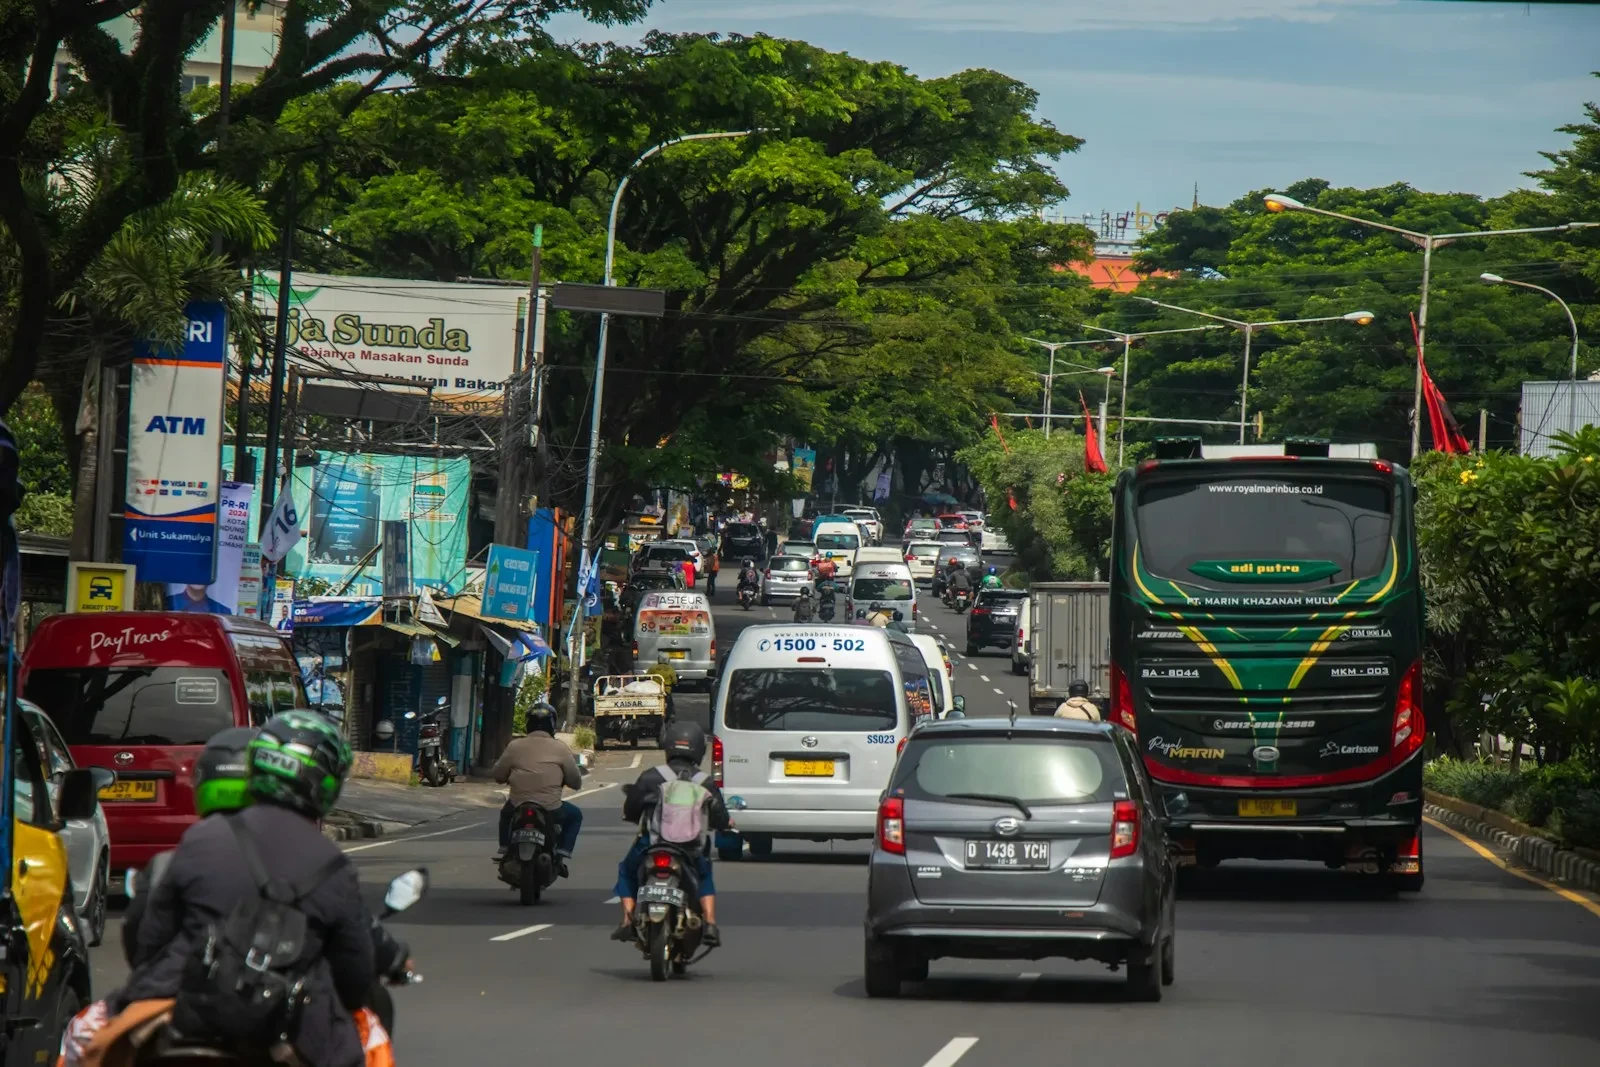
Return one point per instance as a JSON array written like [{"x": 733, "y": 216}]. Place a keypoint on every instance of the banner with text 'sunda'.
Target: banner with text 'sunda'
[{"x": 175, "y": 452}]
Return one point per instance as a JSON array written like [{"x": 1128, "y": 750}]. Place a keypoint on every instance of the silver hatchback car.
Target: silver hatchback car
[{"x": 1020, "y": 839}]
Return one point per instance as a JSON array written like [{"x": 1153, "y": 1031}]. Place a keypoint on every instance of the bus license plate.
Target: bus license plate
[
  {"x": 808, "y": 768},
  {"x": 1268, "y": 809}
]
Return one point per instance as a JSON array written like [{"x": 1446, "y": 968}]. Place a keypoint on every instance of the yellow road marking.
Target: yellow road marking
[{"x": 1482, "y": 850}]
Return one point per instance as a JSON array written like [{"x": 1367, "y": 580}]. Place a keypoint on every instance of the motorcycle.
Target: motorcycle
[
  {"x": 666, "y": 918},
  {"x": 530, "y": 864},
  {"x": 960, "y": 600},
  {"x": 159, "y": 1045},
  {"x": 433, "y": 766},
  {"x": 747, "y": 597}
]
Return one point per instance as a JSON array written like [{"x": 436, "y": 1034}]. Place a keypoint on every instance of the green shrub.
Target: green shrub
[
  {"x": 1484, "y": 784},
  {"x": 583, "y": 737},
  {"x": 1542, "y": 790},
  {"x": 1577, "y": 822}
]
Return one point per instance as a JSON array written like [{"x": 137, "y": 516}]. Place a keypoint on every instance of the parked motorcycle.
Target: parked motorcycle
[
  {"x": 666, "y": 916},
  {"x": 433, "y": 766}
]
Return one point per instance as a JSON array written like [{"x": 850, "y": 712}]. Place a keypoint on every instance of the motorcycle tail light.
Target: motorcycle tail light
[{"x": 662, "y": 861}]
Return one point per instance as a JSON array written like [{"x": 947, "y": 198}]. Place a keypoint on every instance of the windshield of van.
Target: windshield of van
[
  {"x": 881, "y": 589},
  {"x": 134, "y": 705},
  {"x": 1039, "y": 772},
  {"x": 791, "y": 698},
  {"x": 838, "y": 541}
]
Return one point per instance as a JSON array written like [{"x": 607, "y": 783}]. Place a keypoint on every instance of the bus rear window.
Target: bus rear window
[
  {"x": 1336, "y": 531},
  {"x": 133, "y": 705}
]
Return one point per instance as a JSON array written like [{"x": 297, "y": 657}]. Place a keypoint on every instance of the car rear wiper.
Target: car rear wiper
[{"x": 996, "y": 797}]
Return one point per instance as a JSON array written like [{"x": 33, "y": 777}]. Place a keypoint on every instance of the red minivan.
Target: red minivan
[{"x": 141, "y": 692}]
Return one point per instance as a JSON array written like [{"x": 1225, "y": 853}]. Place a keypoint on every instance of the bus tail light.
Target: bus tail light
[
  {"x": 1124, "y": 829},
  {"x": 1408, "y": 725},
  {"x": 892, "y": 825},
  {"x": 716, "y": 761},
  {"x": 1122, "y": 701}
]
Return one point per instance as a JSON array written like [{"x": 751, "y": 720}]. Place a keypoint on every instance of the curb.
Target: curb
[
  {"x": 1538, "y": 853},
  {"x": 357, "y": 829}
]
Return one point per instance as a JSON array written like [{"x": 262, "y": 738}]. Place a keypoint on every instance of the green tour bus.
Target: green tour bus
[{"x": 1266, "y": 647}]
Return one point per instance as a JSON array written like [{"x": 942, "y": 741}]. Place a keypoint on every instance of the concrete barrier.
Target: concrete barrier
[
  {"x": 1533, "y": 848},
  {"x": 386, "y": 766}
]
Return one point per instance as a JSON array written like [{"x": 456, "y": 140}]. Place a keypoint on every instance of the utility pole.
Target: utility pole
[
  {"x": 280, "y": 351},
  {"x": 244, "y": 466},
  {"x": 1483, "y": 428},
  {"x": 105, "y": 481}
]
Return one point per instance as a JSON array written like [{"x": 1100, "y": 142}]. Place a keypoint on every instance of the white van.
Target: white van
[
  {"x": 879, "y": 555},
  {"x": 838, "y": 541},
  {"x": 868, "y": 519},
  {"x": 885, "y": 587},
  {"x": 677, "y": 629},
  {"x": 806, "y": 726},
  {"x": 938, "y": 659}
]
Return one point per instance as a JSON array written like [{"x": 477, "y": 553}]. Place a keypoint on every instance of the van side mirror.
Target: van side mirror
[{"x": 79, "y": 795}]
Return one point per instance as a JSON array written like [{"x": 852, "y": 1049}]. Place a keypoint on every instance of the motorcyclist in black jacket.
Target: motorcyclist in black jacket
[{"x": 207, "y": 878}]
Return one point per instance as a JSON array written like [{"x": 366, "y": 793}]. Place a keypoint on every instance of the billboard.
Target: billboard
[
  {"x": 174, "y": 448},
  {"x": 429, "y": 494},
  {"x": 457, "y": 336},
  {"x": 226, "y": 595}
]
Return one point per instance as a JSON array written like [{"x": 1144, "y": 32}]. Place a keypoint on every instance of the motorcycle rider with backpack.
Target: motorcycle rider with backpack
[
  {"x": 685, "y": 746},
  {"x": 265, "y": 874}
]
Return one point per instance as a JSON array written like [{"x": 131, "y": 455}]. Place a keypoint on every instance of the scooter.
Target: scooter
[
  {"x": 747, "y": 597},
  {"x": 666, "y": 916},
  {"x": 960, "y": 600},
  {"x": 531, "y": 865},
  {"x": 433, "y": 766}
]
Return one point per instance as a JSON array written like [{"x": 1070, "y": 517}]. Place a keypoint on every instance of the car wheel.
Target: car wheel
[
  {"x": 760, "y": 845},
  {"x": 882, "y": 970},
  {"x": 914, "y": 969},
  {"x": 94, "y": 914},
  {"x": 973, "y": 648},
  {"x": 1169, "y": 949},
  {"x": 1144, "y": 978},
  {"x": 1018, "y": 668}
]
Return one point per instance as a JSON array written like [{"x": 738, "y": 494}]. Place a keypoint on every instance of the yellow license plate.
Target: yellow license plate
[
  {"x": 129, "y": 791},
  {"x": 677, "y": 655},
  {"x": 808, "y": 768},
  {"x": 1268, "y": 809}
]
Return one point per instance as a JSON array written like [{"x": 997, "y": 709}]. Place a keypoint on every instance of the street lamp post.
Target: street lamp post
[
  {"x": 1050, "y": 377},
  {"x": 1572, "y": 385},
  {"x": 1360, "y": 318},
  {"x": 1127, "y": 340},
  {"x": 587, "y": 523},
  {"x": 1277, "y": 202}
]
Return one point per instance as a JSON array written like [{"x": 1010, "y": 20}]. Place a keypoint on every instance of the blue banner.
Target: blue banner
[
  {"x": 337, "y": 611},
  {"x": 175, "y": 452},
  {"x": 509, "y": 582}
]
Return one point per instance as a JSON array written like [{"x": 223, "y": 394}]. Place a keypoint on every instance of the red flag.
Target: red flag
[
  {"x": 994, "y": 420},
  {"x": 1011, "y": 498},
  {"x": 1447, "y": 435},
  {"x": 1093, "y": 461}
]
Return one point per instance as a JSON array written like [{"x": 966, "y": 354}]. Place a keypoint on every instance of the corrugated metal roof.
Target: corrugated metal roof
[{"x": 1549, "y": 408}]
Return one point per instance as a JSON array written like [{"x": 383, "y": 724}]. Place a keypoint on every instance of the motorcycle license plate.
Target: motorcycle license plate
[
  {"x": 528, "y": 835},
  {"x": 660, "y": 894}
]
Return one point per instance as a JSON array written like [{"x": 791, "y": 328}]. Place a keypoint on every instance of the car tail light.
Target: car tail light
[
  {"x": 901, "y": 747},
  {"x": 1124, "y": 829},
  {"x": 1149, "y": 465},
  {"x": 768, "y": 574},
  {"x": 1122, "y": 701},
  {"x": 1408, "y": 725},
  {"x": 892, "y": 825},
  {"x": 716, "y": 761},
  {"x": 662, "y": 861},
  {"x": 636, "y": 650},
  {"x": 713, "y": 650},
  {"x": 979, "y": 611}
]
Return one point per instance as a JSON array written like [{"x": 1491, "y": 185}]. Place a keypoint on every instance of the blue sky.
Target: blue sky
[{"x": 1233, "y": 95}]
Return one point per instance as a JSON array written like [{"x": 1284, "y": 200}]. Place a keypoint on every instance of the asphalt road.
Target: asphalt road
[{"x": 1280, "y": 965}]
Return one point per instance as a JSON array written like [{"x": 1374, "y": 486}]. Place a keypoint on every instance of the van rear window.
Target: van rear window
[
  {"x": 787, "y": 698},
  {"x": 134, "y": 705}
]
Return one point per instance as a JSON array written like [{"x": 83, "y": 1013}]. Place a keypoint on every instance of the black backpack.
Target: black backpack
[{"x": 245, "y": 984}]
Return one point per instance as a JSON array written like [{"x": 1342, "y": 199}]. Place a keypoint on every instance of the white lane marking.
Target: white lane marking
[
  {"x": 586, "y": 792},
  {"x": 613, "y": 900},
  {"x": 524, "y": 932},
  {"x": 637, "y": 756},
  {"x": 1028, "y": 976},
  {"x": 974, "y": 666},
  {"x": 413, "y": 837},
  {"x": 947, "y": 1056},
  {"x": 985, "y": 677},
  {"x": 998, "y": 690}
]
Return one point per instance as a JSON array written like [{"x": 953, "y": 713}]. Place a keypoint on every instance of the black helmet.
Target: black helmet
[
  {"x": 684, "y": 741},
  {"x": 1078, "y": 688},
  {"x": 298, "y": 760},
  {"x": 542, "y": 716},
  {"x": 221, "y": 771}
]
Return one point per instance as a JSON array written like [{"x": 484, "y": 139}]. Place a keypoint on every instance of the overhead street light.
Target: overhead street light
[
  {"x": 1127, "y": 340},
  {"x": 1050, "y": 376},
  {"x": 1277, "y": 203},
  {"x": 1572, "y": 384},
  {"x": 1360, "y": 318}
]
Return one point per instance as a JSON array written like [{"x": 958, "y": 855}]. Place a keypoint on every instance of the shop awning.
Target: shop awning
[
  {"x": 472, "y": 607},
  {"x": 411, "y": 629}
]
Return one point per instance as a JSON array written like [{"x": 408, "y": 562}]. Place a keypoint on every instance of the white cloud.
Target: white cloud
[{"x": 1014, "y": 16}]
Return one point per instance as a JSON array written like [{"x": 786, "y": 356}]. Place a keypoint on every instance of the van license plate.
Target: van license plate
[
  {"x": 808, "y": 768},
  {"x": 145, "y": 790},
  {"x": 1025, "y": 855},
  {"x": 1269, "y": 809},
  {"x": 677, "y": 654}
]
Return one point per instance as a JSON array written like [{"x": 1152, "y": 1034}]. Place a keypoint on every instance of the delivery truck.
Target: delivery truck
[{"x": 1069, "y": 638}]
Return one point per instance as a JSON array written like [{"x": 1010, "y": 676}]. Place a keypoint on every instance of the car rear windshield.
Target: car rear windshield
[
  {"x": 838, "y": 541},
  {"x": 958, "y": 536},
  {"x": 1259, "y": 519},
  {"x": 994, "y": 598},
  {"x": 925, "y": 548},
  {"x": 881, "y": 589},
  {"x": 790, "y": 563},
  {"x": 790, "y": 698},
  {"x": 1036, "y": 772},
  {"x": 134, "y": 705},
  {"x": 742, "y": 531},
  {"x": 668, "y": 553}
]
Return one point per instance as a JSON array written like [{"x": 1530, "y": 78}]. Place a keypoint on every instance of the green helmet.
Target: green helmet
[
  {"x": 299, "y": 760},
  {"x": 221, "y": 771}
]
